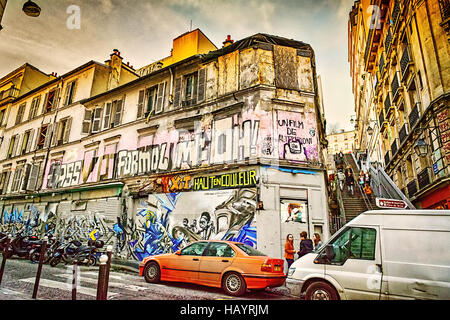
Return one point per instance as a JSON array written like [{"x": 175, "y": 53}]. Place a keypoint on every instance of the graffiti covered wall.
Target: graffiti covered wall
[{"x": 242, "y": 136}]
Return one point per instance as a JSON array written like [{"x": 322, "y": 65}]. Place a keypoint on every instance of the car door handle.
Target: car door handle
[
  {"x": 225, "y": 260},
  {"x": 195, "y": 259}
]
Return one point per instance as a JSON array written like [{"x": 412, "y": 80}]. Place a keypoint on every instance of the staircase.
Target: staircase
[{"x": 358, "y": 203}]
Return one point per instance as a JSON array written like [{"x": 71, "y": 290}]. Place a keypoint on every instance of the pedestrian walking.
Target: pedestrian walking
[
  {"x": 368, "y": 191},
  {"x": 341, "y": 179},
  {"x": 289, "y": 249},
  {"x": 306, "y": 245},
  {"x": 367, "y": 177},
  {"x": 317, "y": 241},
  {"x": 348, "y": 169},
  {"x": 361, "y": 179},
  {"x": 350, "y": 181}
]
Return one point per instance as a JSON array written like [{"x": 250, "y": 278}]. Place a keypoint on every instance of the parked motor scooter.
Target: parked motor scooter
[
  {"x": 21, "y": 245},
  {"x": 35, "y": 252}
]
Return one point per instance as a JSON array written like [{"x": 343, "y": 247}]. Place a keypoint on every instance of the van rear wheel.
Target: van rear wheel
[{"x": 321, "y": 291}]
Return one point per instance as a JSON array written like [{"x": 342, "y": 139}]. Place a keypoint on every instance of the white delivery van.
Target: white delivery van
[{"x": 380, "y": 254}]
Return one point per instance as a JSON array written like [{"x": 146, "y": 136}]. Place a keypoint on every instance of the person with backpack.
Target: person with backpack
[
  {"x": 306, "y": 245},
  {"x": 368, "y": 191}
]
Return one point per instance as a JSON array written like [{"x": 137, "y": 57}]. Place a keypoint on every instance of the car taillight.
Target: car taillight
[
  {"x": 272, "y": 265},
  {"x": 267, "y": 265}
]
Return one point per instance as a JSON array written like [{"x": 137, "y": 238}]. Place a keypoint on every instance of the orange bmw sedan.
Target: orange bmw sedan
[{"x": 233, "y": 266}]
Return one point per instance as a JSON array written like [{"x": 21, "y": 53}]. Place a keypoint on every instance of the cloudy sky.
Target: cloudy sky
[{"x": 143, "y": 30}]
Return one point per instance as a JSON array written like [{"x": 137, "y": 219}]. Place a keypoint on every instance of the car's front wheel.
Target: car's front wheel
[
  {"x": 152, "y": 273},
  {"x": 234, "y": 284},
  {"x": 321, "y": 291}
]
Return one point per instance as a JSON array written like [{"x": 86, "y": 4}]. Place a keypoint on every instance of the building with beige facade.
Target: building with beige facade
[
  {"x": 400, "y": 68},
  {"x": 221, "y": 144}
]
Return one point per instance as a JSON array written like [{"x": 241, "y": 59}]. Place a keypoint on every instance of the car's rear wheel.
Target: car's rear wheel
[
  {"x": 152, "y": 272},
  {"x": 321, "y": 291},
  {"x": 234, "y": 284}
]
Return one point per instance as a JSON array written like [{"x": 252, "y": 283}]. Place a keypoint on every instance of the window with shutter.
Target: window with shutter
[
  {"x": 177, "y": 93},
  {"x": 70, "y": 93},
  {"x": 33, "y": 177},
  {"x": 96, "y": 123},
  {"x": 16, "y": 145},
  {"x": 12, "y": 142},
  {"x": 25, "y": 142},
  {"x": 86, "y": 126},
  {"x": 201, "y": 85},
  {"x": 30, "y": 141},
  {"x": 24, "y": 180},
  {"x": 118, "y": 113},
  {"x": 161, "y": 97},
  {"x": 140, "y": 106},
  {"x": 66, "y": 132},
  {"x": 40, "y": 139},
  {"x": 107, "y": 116},
  {"x": 20, "y": 113},
  {"x": 34, "y": 107},
  {"x": 48, "y": 135},
  {"x": 151, "y": 100}
]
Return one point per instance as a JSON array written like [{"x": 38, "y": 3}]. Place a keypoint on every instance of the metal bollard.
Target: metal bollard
[
  {"x": 101, "y": 278},
  {"x": 5, "y": 256},
  {"x": 41, "y": 262},
  {"x": 74, "y": 280},
  {"x": 108, "y": 267}
]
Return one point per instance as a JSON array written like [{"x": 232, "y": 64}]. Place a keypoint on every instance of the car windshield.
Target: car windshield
[{"x": 249, "y": 250}]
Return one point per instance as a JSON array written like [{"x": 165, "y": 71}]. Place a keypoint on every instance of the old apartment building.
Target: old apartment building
[
  {"x": 399, "y": 62},
  {"x": 207, "y": 143}
]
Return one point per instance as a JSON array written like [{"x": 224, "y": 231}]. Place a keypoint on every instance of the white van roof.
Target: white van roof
[{"x": 419, "y": 219}]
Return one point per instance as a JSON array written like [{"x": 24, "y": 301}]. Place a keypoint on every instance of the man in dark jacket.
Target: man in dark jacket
[{"x": 306, "y": 245}]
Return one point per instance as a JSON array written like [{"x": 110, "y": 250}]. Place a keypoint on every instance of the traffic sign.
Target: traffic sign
[{"x": 390, "y": 203}]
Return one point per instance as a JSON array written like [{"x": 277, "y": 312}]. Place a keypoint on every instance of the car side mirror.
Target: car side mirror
[{"x": 178, "y": 252}]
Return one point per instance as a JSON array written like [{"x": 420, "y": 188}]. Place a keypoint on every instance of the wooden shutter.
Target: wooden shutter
[
  {"x": 66, "y": 133},
  {"x": 55, "y": 133},
  {"x": 140, "y": 106},
  {"x": 48, "y": 135},
  {"x": 160, "y": 98},
  {"x": 201, "y": 85},
  {"x": 177, "y": 93},
  {"x": 55, "y": 99},
  {"x": 26, "y": 174},
  {"x": 97, "y": 122},
  {"x": 118, "y": 113},
  {"x": 86, "y": 126},
  {"x": 33, "y": 177},
  {"x": 107, "y": 116},
  {"x": 15, "y": 147},
  {"x": 44, "y": 105},
  {"x": 6, "y": 182},
  {"x": 16, "y": 179},
  {"x": 66, "y": 94},
  {"x": 30, "y": 141}
]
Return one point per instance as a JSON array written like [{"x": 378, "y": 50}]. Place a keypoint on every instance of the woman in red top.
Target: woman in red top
[{"x": 289, "y": 249}]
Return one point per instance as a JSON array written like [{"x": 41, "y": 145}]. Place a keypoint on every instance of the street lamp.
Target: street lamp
[
  {"x": 421, "y": 148},
  {"x": 31, "y": 9}
]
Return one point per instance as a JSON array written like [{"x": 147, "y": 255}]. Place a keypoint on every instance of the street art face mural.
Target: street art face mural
[{"x": 242, "y": 136}]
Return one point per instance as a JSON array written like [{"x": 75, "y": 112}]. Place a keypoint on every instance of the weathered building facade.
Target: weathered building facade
[
  {"x": 221, "y": 145},
  {"x": 400, "y": 62}
]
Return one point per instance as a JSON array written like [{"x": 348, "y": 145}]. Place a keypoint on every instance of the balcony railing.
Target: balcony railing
[
  {"x": 387, "y": 104},
  {"x": 386, "y": 158},
  {"x": 10, "y": 93},
  {"x": 396, "y": 12},
  {"x": 414, "y": 116},
  {"x": 381, "y": 64},
  {"x": 412, "y": 188},
  {"x": 395, "y": 86},
  {"x": 381, "y": 118},
  {"x": 403, "y": 134},
  {"x": 388, "y": 42},
  {"x": 444, "y": 6},
  {"x": 405, "y": 61},
  {"x": 423, "y": 178},
  {"x": 394, "y": 147}
]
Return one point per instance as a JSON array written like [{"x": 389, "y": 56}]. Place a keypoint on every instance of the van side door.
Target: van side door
[{"x": 356, "y": 264}]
